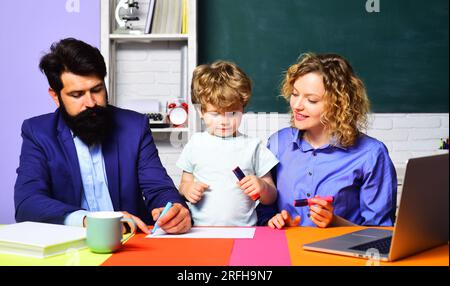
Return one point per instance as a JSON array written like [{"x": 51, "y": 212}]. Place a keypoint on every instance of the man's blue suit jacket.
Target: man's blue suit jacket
[{"x": 49, "y": 185}]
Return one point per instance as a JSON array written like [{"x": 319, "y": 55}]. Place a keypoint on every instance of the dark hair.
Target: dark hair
[{"x": 71, "y": 55}]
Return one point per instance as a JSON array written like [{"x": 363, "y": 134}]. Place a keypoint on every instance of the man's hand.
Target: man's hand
[
  {"x": 139, "y": 223},
  {"x": 176, "y": 220},
  {"x": 283, "y": 219}
]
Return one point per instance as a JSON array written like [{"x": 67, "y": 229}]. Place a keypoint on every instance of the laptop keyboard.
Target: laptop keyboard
[{"x": 383, "y": 245}]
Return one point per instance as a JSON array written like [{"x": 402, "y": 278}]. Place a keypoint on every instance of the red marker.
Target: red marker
[
  {"x": 308, "y": 202},
  {"x": 240, "y": 175}
]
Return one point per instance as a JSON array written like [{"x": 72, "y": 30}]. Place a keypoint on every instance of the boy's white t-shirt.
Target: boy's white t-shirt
[{"x": 211, "y": 160}]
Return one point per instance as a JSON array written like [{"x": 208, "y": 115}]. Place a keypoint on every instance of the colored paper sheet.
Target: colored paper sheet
[
  {"x": 82, "y": 257},
  {"x": 297, "y": 236},
  {"x": 209, "y": 232},
  {"x": 141, "y": 251},
  {"x": 267, "y": 248}
]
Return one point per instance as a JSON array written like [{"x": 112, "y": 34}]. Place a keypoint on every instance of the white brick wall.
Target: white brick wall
[
  {"x": 405, "y": 136},
  {"x": 148, "y": 72},
  {"x": 409, "y": 135}
]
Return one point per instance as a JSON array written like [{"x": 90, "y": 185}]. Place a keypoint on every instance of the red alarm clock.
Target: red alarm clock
[{"x": 177, "y": 113}]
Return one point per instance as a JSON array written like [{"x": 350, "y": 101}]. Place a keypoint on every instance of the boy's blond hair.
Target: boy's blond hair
[{"x": 222, "y": 84}]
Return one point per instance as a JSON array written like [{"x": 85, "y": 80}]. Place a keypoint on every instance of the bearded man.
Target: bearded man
[{"x": 88, "y": 155}]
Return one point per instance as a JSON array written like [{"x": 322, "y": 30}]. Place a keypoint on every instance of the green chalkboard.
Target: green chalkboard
[{"x": 400, "y": 52}]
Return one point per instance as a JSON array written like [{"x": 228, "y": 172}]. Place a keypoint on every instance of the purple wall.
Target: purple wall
[{"x": 27, "y": 29}]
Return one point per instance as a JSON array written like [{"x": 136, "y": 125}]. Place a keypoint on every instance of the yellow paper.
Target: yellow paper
[{"x": 83, "y": 257}]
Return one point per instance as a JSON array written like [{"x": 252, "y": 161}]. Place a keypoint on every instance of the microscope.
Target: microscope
[{"x": 126, "y": 12}]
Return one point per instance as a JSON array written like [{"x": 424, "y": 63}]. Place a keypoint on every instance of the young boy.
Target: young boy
[{"x": 223, "y": 90}]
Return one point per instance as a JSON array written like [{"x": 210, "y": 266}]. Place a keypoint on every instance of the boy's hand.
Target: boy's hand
[
  {"x": 252, "y": 186},
  {"x": 195, "y": 192},
  {"x": 283, "y": 219}
]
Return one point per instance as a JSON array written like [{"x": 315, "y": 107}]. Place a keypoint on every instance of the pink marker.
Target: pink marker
[
  {"x": 308, "y": 202},
  {"x": 240, "y": 175}
]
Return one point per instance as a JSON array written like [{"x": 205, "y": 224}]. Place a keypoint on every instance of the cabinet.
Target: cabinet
[{"x": 146, "y": 71}]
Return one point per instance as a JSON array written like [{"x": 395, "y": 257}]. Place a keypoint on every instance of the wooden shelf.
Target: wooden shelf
[
  {"x": 132, "y": 60},
  {"x": 166, "y": 130},
  {"x": 148, "y": 37}
]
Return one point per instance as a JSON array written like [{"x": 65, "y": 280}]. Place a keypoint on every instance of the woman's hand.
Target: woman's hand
[
  {"x": 283, "y": 219},
  {"x": 321, "y": 213}
]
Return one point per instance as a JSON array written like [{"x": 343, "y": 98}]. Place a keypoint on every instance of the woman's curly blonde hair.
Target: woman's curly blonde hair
[
  {"x": 222, "y": 84},
  {"x": 346, "y": 103}
]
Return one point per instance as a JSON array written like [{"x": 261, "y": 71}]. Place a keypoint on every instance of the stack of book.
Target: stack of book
[
  {"x": 167, "y": 17},
  {"x": 40, "y": 239}
]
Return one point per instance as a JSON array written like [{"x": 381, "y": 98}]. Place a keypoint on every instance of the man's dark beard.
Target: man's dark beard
[{"x": 91, "y": 125}]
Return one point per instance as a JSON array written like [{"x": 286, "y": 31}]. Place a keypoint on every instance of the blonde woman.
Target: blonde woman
[{"x": 324, "y": 152}]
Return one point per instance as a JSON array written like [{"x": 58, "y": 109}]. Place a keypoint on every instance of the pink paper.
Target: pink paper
[{"x": 268, "y": 247}]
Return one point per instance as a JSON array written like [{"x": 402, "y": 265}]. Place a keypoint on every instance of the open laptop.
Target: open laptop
[{"x": 422, "y": 220}]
